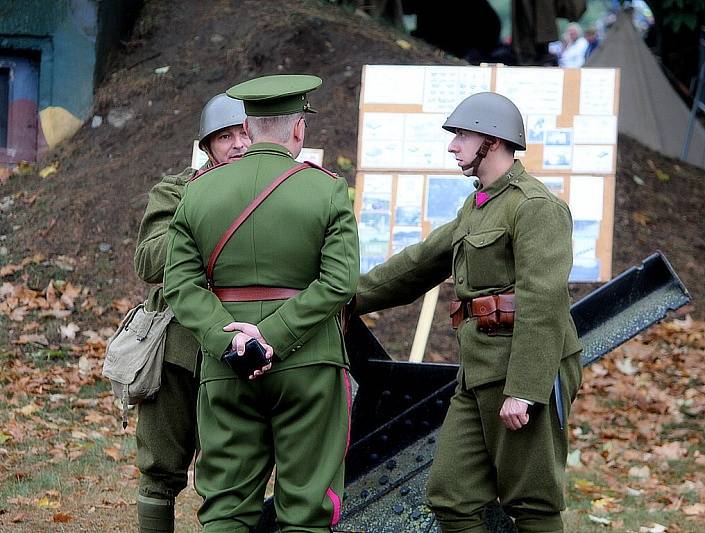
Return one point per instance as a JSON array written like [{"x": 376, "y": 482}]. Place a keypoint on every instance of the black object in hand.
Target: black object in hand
[{"x": 253, "y": 359}]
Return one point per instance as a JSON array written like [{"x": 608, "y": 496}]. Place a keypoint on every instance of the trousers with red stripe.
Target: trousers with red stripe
[{"x": 296, "y": 419}]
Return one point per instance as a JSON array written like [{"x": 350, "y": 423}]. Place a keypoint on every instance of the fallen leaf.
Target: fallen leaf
[
  {"x": 641, "y": 218},
  {"x": 625, "y": 366},
  {"x": 638, "y": 179},
  {"x": 62, "y": 517},
  {"x": 403, "y": 44},
  {"x": 113, "y": 453},
  {"x": 46, "y": 503},
  {"x": 694, "y": 510},
  {"x": 671, "y": 451},
  {"x": 29, "y": 409},
  {"x": 33, "y": 338},
  {"x": 662, "y": 176},
  {"x": 654, "y": 528},
  {"x": 69, "y": 331},
  {"x": 599, "y": 520},
  {"x": 640, "y": 472},
  {"x": 49, "y": 170},
  {"x": 587, "y": 487}
]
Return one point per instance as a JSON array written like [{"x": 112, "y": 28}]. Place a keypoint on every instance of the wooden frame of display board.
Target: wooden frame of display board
[{"x": 570, "y": 117}]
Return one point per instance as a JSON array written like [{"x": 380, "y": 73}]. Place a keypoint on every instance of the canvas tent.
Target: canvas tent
[{"x": 650, "y": 110}]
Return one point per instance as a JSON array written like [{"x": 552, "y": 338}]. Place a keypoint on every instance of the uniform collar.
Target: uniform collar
[
  {"x": 485, "y": 194},
  {"x": 268, "y": 148}
]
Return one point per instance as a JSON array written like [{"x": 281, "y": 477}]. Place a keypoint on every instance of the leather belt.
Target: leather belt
[
  {"x": 253, "y": 293},
  {"x": 493, "y": 312}
]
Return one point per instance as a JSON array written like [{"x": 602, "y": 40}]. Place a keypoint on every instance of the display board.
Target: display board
[{"x": 408, "y": 184}]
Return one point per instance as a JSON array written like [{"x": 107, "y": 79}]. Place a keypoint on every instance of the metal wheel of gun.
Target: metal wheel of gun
[
  {"x": 166, "y": 426},
  {"x": 509, "y": 251},
  {"x": 267, "y": 249}
]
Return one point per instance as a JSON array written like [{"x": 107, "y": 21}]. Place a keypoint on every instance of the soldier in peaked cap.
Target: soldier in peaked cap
[
  {"x": 509, "y": 252},
  {"x": 166, "y": 426},
  {"x": 281, "y": 278}
]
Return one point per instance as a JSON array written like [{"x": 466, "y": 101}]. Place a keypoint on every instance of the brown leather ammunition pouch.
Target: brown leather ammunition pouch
[{"x": 493, "y": 313}]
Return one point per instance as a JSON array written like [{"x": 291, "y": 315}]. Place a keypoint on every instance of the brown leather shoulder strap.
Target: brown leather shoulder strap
[
  {"x": 319, "y": 167},
  {"x": 245, "y": 214}
]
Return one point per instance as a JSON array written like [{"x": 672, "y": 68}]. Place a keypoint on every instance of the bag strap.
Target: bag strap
[{"x": 245, "y": 215}]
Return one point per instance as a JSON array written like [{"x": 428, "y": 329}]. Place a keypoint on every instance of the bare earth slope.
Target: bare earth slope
[{"x": 99, "y": 193}]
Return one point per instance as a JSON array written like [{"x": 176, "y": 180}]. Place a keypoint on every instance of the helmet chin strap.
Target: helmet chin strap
[{"x": 479, "y": 156}]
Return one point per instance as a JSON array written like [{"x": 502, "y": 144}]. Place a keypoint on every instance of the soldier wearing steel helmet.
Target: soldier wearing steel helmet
[
  {"x": 281, "y": 278},
  {"x": 509, "y": 253},
  {"x": 166, "y": 427}
]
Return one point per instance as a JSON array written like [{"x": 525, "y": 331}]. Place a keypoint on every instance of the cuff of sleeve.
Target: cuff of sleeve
[
  {"x": 216, "y": 341},
  {"x": 278, "y": 335},
  {"x": 528, "y": 402},
  {"x": 524, "y": 395}
]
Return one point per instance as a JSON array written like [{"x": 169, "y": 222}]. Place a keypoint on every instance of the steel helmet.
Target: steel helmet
[
  {"x": 220, "y": 112},
  {"x": 491, "y": 114}
]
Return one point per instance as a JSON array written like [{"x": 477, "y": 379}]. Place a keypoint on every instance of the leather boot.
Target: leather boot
[{"x": 155, "y": 515}]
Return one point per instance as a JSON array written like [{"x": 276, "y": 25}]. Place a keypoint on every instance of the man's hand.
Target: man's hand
[
  {"x": 514, "y": 413},
  {"x": 245, "y": 333}
]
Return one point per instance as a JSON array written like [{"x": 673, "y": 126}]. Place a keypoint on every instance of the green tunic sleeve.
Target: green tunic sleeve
[
  {"x": 409, "y": 274},
  {"x": 185, "y": 288},
  {"x": 296, "y": 321},
  {"x": 164, "y": 198},
  {"x": 542, "y": 246}
]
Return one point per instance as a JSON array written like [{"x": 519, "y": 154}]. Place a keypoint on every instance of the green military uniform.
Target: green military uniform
[
  {"x": 518, "y": 239},
  {"x": 303, "y": 236},
  {"x": 166, "y": 426}
]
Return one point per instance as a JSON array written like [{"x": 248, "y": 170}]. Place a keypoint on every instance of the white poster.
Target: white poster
[
  {"x": 535, "y": 91},
  {"x": 595, "y": 129},
  {"x": 597, "y": 91},
  {"x": 586, "y": 197},
  {"x": 445, "y": 87},
  {"x": 593, "y": 158},
  {"x": 393, "y": 84}
]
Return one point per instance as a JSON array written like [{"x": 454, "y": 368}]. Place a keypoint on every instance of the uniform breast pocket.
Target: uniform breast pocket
[{"x": 487, "y": 258}]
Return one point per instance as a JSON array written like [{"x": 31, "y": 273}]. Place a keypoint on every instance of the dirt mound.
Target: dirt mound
[{"x": 91, "y": 208}]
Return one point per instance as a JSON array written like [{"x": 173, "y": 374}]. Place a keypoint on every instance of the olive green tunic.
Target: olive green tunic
[
  {"x": 519, "y": 240},
  {"x": 513, "y": 236},
  {"x": 303, "y": 236},
  {"x": 166, "y": 427}
]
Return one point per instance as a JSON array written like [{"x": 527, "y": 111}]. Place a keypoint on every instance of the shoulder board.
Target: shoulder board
[
  {"x": 319, "y": 167},
  {"x": 206, "y": 170},
  {"x": 531, "y": 187}
]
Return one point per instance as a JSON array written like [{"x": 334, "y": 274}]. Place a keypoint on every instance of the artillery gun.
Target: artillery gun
[{"x": 399, "y": 406}]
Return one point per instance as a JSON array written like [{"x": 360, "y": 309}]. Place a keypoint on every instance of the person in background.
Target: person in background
[
  {"x": 592, "y": 40},
  {"x": 166, "y": 425},
  {"x": 574, "y": 47}
]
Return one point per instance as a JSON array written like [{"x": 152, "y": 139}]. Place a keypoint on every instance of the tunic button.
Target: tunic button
[
  {"x": 482, "y": 309},
  {"x": 482, "y": 242},
  {"x": 461, "y": 279}
]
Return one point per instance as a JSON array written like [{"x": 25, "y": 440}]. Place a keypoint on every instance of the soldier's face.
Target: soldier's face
[
  {"x": 464, "y": 147},
  {"x": 228, "y": 144}
]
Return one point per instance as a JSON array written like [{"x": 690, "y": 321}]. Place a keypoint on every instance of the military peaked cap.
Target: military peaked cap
[{"x": 276, "y": 95}]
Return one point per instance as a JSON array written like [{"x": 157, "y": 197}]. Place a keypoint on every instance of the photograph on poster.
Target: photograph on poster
[
  {"x": 409, "y": 200},
  {"x": 557, "y": 157},
  {"x": 595, "y": 129},
  {"x": 446, "y": 195},
  {"x": 586, "y": 263},
  {"x": 382, "y": 154},
  {"x": 593, "y": 158},
  {"x": 383, "y": 126},
  {"x": 560, "y": 137},
  {"x": 536, "y": 125},
  {"x": 403, "y": 236},
  {"x": 553, "y": 183},
  {"x": 428, "y": 154}
]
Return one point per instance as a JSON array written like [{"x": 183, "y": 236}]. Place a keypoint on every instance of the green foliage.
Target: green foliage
[{"x": 679, "y": 14}]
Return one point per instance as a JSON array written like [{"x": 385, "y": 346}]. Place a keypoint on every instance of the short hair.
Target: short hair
[{"x": 277, "y": 128}]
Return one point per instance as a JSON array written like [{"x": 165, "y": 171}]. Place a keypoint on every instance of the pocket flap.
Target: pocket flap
[
  {"x": 480, "y": 240},
  {"x": 458, "y": 236}
]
